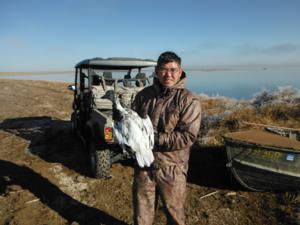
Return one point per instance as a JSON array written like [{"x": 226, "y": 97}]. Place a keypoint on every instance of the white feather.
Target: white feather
[{"x": 135, "y": 132}]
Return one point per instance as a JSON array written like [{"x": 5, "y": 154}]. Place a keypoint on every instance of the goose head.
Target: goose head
[
  {"x": 117, "y": 107},
  {"x": 110, "y": 95}
]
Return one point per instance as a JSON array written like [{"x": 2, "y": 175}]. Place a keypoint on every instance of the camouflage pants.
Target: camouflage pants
[{"x": 170, "y": 184}]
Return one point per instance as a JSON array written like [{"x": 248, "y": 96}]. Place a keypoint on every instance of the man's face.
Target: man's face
[{"x": 169, "y": 74}]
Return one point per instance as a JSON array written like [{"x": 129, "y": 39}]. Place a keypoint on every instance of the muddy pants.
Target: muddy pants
[{"x": 170, "y": 184}]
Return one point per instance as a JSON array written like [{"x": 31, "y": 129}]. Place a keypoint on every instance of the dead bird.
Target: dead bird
[{"x": 132, "y": 131}]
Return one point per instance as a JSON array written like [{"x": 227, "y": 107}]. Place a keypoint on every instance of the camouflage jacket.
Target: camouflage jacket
[{"x": 176, "y": 115}]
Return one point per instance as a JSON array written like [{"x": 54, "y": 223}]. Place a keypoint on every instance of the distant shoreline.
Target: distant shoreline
[
  {"x": 70, "y": 71},
  {"x": 34, "y": 73}
]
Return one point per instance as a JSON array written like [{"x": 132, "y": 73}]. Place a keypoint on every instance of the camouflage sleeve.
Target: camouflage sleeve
[{"x": 187, "y": 129}]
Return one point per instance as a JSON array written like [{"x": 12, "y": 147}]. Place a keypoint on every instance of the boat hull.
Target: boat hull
[{"x": 261, "y": 168}]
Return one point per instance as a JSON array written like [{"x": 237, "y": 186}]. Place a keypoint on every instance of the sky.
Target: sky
[{"x": 41, "y": 35}]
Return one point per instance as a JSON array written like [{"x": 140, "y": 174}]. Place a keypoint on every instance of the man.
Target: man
[{"x": 175, "y": 114}]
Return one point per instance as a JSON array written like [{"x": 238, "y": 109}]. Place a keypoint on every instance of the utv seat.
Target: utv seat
[
  {"x": 142, "y": 80},
  {"x": 126, "y": 81},
  {"x": 108, "y": 78},
  {"x": 99, "y": 87}
]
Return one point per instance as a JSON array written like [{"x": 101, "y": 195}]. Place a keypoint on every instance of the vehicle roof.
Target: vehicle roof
[{"x": 115, "y": 63}]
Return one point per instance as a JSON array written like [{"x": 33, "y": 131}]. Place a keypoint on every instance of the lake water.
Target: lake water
[
  {"x": 243, "y": 83},
  {"x": 240, "y": 84}
]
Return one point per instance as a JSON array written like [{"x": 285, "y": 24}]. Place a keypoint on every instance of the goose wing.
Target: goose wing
[
  {"x": 149, "y": 131},
  {"x": 140, "y": 141},
  {"x": 138, "y": 134}
]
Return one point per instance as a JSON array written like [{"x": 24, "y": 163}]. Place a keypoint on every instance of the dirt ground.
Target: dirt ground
[{"x": 45, "y": 178}]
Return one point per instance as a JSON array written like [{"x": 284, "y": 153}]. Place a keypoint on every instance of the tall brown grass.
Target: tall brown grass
[{"x": 222, "y": 114}]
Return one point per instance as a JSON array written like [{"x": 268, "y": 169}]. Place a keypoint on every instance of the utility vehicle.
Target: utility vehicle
[{"x": 91, "y": 118}]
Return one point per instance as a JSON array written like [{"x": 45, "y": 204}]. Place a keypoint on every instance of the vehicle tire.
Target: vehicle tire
[
  {"x": 74, "y": 124},
  {"x": 100, "y": 161}
]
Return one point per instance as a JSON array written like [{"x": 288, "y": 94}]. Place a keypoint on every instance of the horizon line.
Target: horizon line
[{"x": 187, "y": 68}]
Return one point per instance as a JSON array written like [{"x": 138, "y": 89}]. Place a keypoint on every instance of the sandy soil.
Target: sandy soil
[{"x": 45, "y": 179}]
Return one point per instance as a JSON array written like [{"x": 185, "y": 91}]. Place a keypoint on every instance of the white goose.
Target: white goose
[{"x": 133, "y": 131}]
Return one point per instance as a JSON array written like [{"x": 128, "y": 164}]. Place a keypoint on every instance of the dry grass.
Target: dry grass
[{"x": 221, "y": 114}]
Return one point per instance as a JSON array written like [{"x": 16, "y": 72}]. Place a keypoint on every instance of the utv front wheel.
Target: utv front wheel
[{"x": 100, "y": 161}]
